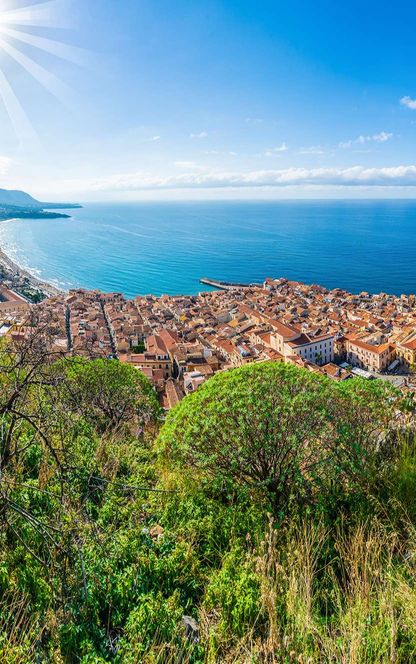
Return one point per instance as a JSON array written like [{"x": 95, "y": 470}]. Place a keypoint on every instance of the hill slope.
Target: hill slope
[{"x": 16, "y": 198}]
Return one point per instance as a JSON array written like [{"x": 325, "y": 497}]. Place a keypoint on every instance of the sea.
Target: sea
[{"x": 165, "y": 248}]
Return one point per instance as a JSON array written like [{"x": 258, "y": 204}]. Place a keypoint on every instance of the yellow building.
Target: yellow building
[
  {"x": 406, "y": 352},
  {"x": 368, "y": 356}
]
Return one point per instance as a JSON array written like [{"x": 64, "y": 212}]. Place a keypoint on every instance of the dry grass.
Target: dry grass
[
  {"x": 357, "y": 608},
  {"x": 19, "y": 630}
]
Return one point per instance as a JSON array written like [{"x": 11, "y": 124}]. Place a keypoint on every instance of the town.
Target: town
[{"x": 180, "y": 341}]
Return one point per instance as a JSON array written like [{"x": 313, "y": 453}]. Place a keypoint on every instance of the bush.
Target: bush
[
  {"x": 285, "y": 431},
  {"x": 235, "y": 591},
  {"x": 108, "y": 394}
]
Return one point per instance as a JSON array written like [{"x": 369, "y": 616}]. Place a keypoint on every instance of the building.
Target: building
[
  {"x": 192, "y": 380},
  {"x": 406, "y": 352},
  {"x": 370, "y": 357},
  {"x": 289, "y": 341}
]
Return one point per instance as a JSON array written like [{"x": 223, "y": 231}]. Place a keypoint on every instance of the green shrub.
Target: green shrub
[
  {"x": 235, "y": 591},
  {"x": 281, "y": 431}
]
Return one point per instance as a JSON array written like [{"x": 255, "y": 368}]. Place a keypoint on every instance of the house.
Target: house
[{"x": 192, "y": 380}]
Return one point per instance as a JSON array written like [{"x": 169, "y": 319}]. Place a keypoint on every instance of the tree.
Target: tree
[
  {"x": 277, "y": 427},
  {"x": 57, "y": 416},
  {"x": 110, "y": 395},
  {"x": 24, "y": 374}
]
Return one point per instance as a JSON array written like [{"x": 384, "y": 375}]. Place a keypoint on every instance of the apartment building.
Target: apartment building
[
  {"x": 370, "y": 357},
  {"x": 406, "y": 352},
  {"x": 288, "y": 341}
]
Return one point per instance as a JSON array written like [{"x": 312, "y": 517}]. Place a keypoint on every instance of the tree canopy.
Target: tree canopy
[
  {"x": 277, "y": 427},
  {"x": 108, "y": 394}
]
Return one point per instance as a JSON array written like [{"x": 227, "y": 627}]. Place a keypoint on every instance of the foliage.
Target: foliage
[
  {"x": 140, "y": 348},
  {"x": 292, "y": 433},
  {"x": 276, "y": 509},
  {"x": 107, "y": 394}
]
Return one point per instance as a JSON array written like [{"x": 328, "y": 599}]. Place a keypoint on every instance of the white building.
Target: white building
[{"x": 288, "y": 341}]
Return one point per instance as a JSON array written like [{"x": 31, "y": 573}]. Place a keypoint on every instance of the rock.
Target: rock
[
  {"x": 191, "y": 629},
  {"x": 156, "y": 532}
]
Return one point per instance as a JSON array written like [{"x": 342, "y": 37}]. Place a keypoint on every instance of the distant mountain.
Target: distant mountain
[
  {"x": 59, "y": 206},
  {"x": 16, "y": 198}
]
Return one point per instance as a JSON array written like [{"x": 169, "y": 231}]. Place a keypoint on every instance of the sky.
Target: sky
[{"x": 221, "y": 99}]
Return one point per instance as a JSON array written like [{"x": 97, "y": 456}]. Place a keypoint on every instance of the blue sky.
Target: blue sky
[{"x": 213, "y": 99}]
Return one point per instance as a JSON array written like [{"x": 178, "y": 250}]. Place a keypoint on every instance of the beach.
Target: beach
[{"x": 22, "y": 281}]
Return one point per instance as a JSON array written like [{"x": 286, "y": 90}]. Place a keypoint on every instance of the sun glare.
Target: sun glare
[{"x": 21, "y": 41}]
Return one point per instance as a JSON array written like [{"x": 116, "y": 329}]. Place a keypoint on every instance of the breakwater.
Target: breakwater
[{"x": 223, "y": 285}]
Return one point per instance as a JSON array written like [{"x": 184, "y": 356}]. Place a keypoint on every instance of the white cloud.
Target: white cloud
[
  {"x": 4, "y": 165},
  {"x": 313, "y": 149},
  {"x": 154, "y": 138},
  {"x": 202, "y": 134},
  {"x": 401, "y": 176},
  {"x": 186, "y": 164},
  {"x": 409, "y": 102},
  {"x": 222, "y": 153},
  {"x": 381, "y": 137},
  {"x": 271, "y": 152}
]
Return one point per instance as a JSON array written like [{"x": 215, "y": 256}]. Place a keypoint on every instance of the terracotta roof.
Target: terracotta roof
[
  {"x": 377, "y": 350},
  {"x": 410, "y": 345}
]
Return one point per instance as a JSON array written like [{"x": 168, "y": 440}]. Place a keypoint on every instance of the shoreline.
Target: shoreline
[
  {"x": 19, "y": 278},
  {"x": 33, "y": 288}
]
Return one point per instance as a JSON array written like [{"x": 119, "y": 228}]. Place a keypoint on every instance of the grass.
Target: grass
[
  {"x": 321, "y": 596},
  {"x": 357, "y": 606}
]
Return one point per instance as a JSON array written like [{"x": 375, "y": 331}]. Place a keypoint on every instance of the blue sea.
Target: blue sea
[{"x": 140, "y": 248}]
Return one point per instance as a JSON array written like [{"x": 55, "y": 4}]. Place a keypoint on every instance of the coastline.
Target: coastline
[
  {"x": 19, "y": 278},
  {"x": 139, "y": 249}
]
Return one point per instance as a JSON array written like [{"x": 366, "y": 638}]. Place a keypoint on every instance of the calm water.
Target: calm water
[{"x": 165, "y": 248}]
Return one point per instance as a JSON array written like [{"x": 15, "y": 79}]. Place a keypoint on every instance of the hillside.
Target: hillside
[
  {"x": 269, "y": 518},
  {"x": 16, "y": 198},
  {"x": 20, "y": 199}
]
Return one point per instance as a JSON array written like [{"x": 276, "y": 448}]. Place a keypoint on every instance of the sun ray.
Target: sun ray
[
  {"x": 35, "y": 15},
  {"x": 20, "y": 121},
  {"x": 59, "y": 49},
  {"x": 49, "y": 81},
  {"x": 17, "y": 41}
]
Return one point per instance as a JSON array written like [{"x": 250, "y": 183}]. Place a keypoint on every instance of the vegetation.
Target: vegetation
[
  {"x": 295, "y": 435},
  {"x": 14, "y": 212},
  {"x": 32, "y": 294},
  {"x": 270, "y": 518},
  {"x": 140, "y": 348}
]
